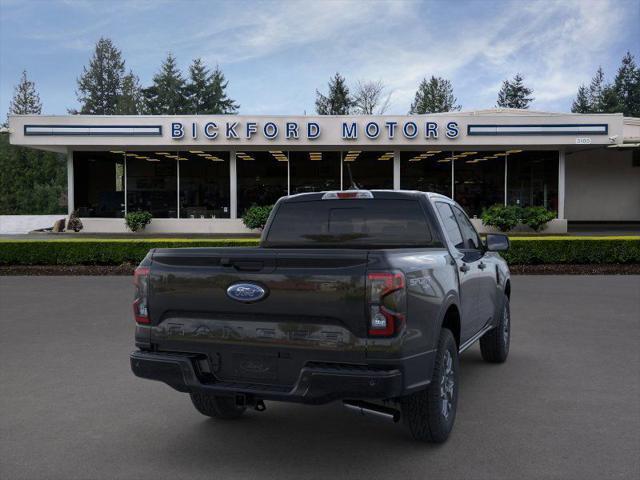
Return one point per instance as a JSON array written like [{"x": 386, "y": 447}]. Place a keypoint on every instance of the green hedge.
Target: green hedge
[
  {"x": 98, "y": 252},
  {"x": 524, "y": 250},
  {"x": 573, "y": 250}
]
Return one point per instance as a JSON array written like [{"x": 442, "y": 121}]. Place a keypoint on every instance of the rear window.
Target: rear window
[{"x": 381, "y": 223}]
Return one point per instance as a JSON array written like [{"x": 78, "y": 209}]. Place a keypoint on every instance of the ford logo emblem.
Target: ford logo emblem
[{"x": 246, "y": 292}]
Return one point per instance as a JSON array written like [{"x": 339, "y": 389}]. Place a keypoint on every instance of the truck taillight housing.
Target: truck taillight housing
[
  {"x": 140, "y": 300},
  {"x": 386, "y": 297}
]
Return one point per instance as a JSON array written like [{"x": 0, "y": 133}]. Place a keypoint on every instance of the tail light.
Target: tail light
[
  {"x": 140, "y": 300},
  {"x": 386, "y": 299}
]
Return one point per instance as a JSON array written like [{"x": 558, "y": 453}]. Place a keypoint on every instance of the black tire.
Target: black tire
[
  {"x": 425, "y": 413},
  {"x": 216, "y": 406},
  {"x": 494, "y": 345}
]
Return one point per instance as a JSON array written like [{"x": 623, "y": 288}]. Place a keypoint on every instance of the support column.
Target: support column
[
  {"x": 233, "y": 185},
  {"x": 561, "y": 177},
  {"x": 506, "y": 171},
  {"x": 70, "y": 183},
  {"x": 396, "y": 169}
]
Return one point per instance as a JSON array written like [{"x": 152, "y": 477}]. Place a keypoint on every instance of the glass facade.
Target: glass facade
[
  {"x": 152, "y": 184},
  {"x": 427, "y": 171},
  {"x": 204, "y": 184},
  {"x": 532, "y": 179},
  {"x": 196, "y": 184},
  {"x": 314, "y": 171},
  {"x": 262, "y": 178},
  {"x": 99, "y": 184},
  {"x": 368, "y": 170},
  {"x": 478, "y": 180}
]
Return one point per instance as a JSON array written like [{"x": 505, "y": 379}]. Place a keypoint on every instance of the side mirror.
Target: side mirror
[{"x": 497, "y": 242}]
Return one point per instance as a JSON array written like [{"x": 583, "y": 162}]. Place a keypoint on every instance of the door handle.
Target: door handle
[
  {"x": 482, "y": 266},
  {"x": 464, "y": 268}
]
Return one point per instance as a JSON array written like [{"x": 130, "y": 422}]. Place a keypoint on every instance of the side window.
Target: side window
[
  {"x": 450, "y": 224},
  {"x": 469, "y": 234}
]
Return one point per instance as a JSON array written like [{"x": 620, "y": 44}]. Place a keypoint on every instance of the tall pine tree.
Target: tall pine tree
[
  {"x": 514, "y": 94},
  {"x": 338, "y": 100},
  {"x": 25, "y": 99},
  {"x": 130, "y": 101},
  {"x": 167, "y": 94},
  {"x": 433, "y": 96},
  {"x": 31, "y": 181},
  {"x": 627, "y": 86},
  {"x": 100, "y": 85},
  {"x": 582, "y": 103},
  {"x": 206, "y": 92}
]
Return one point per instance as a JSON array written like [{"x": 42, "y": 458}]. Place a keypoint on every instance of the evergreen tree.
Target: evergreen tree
[
  {"x": 130, "y": 101},
  {"x": 581, "y": 104},
  {"x": 596, "y": 91},
  {"x": 433, "y": 96},
  {"x": 219, "y": 102},
  {"x": 167, "y": 95},
  {"x": 627, "y": 86},
  {"x": 25, "y": 99},
  {"x": 338, "y": 101},
  {"x": 100, "y": 85},
  {"x": 206, "y": 91},
  {"x": 31, "y": 181},
  {"x": 514, "y": 94}
]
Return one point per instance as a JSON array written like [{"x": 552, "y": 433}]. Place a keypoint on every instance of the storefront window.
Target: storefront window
[
  {"x": 152, "y": 183},
  {"x": 479, "y": 180},
  {"x": 532, "y": 179},
  {"x": 99, "y": 184},
  {"x": 314, "y": 171},
  {"x": 427, "y": 171},
  {"x": 262, "y": 178},
  {"x": 367, "y": 170},
  {"x": 204, "y": 184}
]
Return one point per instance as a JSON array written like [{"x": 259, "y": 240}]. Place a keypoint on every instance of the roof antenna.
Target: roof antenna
[{"x": 352, "y": 185}]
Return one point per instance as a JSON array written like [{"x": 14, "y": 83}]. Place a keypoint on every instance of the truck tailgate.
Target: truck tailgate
[{"x": 313, "y": 310}]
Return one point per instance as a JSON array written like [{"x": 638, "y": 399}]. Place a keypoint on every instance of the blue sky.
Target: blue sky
[{"x": 275, "y": 54}]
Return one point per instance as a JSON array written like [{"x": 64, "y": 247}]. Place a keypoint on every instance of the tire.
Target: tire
[
  {"x": 494, "y": 345},
  {"x": 430, "y": 414},
  {"x": 216, "y": 406}
]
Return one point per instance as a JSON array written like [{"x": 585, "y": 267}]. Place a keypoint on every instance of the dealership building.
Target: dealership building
[{"x": 200, "y": 173}]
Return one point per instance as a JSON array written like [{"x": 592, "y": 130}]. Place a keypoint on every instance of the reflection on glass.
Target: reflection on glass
[
  {"x": 152, "y": 183},
  {"x": 479, "y": 180},
  {"x": 99, "y": 184},
  {"x": 314, "y": 171},
  {"x": 204, "y": 184},
  {"x": 368, "y": 170},
  {"x": 532, "y": 179},
  {"x": 262, "y": 178},
  {"x": 427, "y": 171}
]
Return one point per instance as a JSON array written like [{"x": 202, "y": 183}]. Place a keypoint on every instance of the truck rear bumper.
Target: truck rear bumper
[{"x": 317, "y": 382}]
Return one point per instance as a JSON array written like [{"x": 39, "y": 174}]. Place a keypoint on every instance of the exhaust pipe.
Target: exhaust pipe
[{"x": 371, "y": 409}]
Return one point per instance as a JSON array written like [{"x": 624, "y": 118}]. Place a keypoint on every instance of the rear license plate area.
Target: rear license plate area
[{"x": 255, "y": 367}]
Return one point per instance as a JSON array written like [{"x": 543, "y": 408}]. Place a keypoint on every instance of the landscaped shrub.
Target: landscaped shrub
[
  {"x": 537, "y": 217},
  {"x": 137, "y": 220},
  {"x": 256, "y": 216},
  {"x": 504, "y": 218},
  {"x": 74, "y": 223},
  {"x": 507, "y": 217}
]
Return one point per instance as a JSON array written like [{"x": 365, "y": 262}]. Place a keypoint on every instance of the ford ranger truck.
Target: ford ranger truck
[{"x": 363, "y": 297}]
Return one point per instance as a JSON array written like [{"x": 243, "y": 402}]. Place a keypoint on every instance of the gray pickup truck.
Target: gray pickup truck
[{"x": 366, "y": 297}]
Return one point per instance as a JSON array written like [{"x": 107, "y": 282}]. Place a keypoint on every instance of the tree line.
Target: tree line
[{"x": 33, "y": 181}]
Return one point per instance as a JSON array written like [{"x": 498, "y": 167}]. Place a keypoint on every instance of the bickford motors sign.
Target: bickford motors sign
[{"x": 295, "y": 130}]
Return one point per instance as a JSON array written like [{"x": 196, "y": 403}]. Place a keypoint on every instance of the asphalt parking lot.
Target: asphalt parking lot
[{"x": 565, "y": 405}]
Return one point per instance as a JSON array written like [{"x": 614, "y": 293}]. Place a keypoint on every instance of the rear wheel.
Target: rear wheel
[
  {"x": 216, "y": 406},
  {"x": 429, "y": 414},
  {"x": 494, "y": 345}
]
